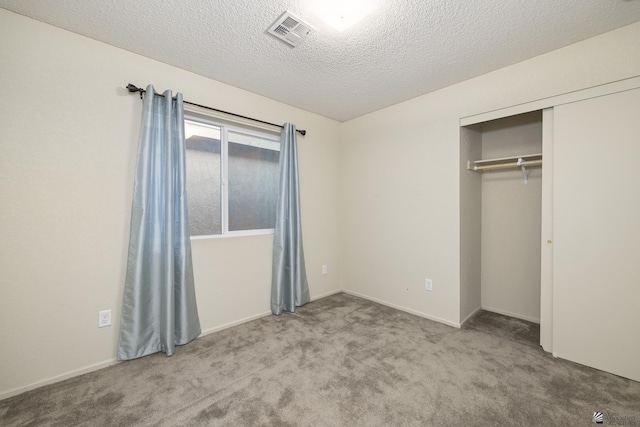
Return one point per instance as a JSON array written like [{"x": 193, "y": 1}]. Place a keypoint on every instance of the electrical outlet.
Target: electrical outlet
[
  {"x": 428, "y": 284},
  {"x": 104, "y": 318},
  {"x": 325, "y": 269}
]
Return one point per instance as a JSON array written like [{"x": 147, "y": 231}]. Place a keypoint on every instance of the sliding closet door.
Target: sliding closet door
[{"x": 596, "y": 228}]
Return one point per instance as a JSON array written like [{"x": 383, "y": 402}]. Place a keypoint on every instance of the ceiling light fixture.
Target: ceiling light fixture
[{"x": 342, "y": 14}]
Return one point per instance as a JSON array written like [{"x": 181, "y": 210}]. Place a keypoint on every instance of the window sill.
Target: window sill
[{"x": 235, "y": 234}]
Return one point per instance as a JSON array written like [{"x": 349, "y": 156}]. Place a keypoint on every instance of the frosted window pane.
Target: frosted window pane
[
  {"x": 203, "y": 179},
  {"x": 253, "y": 182}
]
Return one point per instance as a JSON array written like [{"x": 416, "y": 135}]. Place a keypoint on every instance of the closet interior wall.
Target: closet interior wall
[{"x": 501, "y": 220}]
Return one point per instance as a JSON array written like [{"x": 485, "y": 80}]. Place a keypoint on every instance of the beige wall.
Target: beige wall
[
  {"x": 511, "y": 219},
  {"x": 381, "y": 194},
  {"x": 68, "y": 141},
  {"x": 401, "y": 187}
]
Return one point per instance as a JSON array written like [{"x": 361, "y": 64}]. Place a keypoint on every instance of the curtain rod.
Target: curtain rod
[{"x": 133, "y": 88}]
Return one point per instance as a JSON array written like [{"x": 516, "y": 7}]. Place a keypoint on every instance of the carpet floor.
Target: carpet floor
[{"x": 340, "y": 361}]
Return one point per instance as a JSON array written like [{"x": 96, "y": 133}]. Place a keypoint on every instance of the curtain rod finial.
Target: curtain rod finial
[{"x": 133, "y": 88}]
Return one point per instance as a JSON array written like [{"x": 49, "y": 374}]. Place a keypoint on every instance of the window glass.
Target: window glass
[
  {"x": 253, "y": 182},
  {"x": 204, "y": 195},
  {"x": 232, "y": 178}
]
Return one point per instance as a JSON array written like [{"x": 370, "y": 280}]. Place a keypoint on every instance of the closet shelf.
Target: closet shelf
[{"x": 515, "y": 162}]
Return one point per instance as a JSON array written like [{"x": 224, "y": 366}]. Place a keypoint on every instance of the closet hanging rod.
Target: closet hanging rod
[
  {"x": 507, "y": 165},
  {"x": 505, "y": 162},
  {"x": 133, "y": 89}
]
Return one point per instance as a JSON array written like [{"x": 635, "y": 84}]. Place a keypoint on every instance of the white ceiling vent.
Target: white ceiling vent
[{"x": 290, "y": 28}]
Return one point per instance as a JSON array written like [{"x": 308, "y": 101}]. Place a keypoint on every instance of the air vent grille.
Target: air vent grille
[
  {"x": 290, "y": 29},
  {"x": 290, "y": 22},
  {"x": 281, "y": 30}
]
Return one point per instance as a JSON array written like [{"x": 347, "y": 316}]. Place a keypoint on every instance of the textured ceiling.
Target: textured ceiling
[{"x": 405, "y": 48}]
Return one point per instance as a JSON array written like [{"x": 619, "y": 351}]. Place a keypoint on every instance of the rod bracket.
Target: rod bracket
[{"x": 524, "y": 170}]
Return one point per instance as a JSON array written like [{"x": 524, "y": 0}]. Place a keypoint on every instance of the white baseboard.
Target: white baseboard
[
  {"x": 508, "y": 313},
  {"x": 111, "y": 362},
  {"x": 326, "y": 294},
  {"x": 58, "y": 378},
  {"x": 234, "y": 323},
  {"x": 258, "y": 316},
  {"x": 405, "y": 309},
  {"x": 473, "y": 313}
]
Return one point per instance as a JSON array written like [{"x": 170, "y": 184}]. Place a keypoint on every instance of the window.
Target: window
[{"x": 232, "y": 178}]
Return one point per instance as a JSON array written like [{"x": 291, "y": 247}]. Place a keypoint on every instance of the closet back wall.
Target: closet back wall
[{"x": 511, "y": 219}]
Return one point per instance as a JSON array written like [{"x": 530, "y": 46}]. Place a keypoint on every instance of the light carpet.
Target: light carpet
[{"x": 339, "y": 361}]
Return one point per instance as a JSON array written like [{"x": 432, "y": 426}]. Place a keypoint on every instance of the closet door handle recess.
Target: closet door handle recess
[{"x": 549, "y": 242}]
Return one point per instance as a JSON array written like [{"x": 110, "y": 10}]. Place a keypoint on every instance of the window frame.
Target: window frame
[{"x": 227, "y": 126}]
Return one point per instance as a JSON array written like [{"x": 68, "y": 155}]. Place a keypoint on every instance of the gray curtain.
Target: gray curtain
[
  {"x": 159, "y": 305},
  {"x": 289, "y": 288}
]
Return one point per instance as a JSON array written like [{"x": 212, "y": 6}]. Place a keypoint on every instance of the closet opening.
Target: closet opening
[{"x": 500, "y": 226}]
